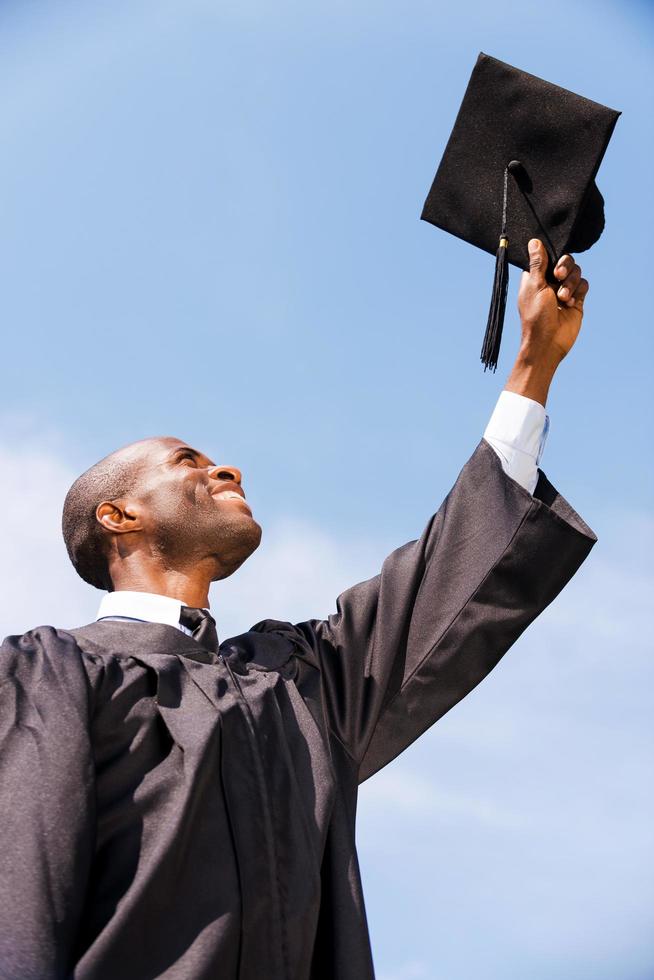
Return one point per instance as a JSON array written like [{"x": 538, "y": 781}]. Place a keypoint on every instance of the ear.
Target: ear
[{"x": 118, "y": 516}]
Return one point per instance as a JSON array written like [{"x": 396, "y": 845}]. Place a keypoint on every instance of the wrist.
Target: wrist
[
  {"x": 538, "y": 350},
  {"x": 532, "y": 373}
]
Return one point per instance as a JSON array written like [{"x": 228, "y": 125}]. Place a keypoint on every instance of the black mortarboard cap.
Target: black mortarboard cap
[{"x": 520, "y": 164}]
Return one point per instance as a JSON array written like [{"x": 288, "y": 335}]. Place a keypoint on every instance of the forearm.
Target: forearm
[
  {"x": 517, "y": 431},
  {"x": 518, "y": 426}
]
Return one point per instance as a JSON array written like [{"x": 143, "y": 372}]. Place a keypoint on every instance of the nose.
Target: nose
[{"x": 225, "y": 473}]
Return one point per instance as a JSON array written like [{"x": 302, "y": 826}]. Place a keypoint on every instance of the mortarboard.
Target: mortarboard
[{"x": 520, "y": 163}]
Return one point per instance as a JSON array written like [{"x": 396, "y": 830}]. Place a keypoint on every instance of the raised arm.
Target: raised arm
[{"x": 406, "y": 646}]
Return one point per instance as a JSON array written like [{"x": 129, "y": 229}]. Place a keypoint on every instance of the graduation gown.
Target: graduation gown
[{"x": 172, "y": 812}]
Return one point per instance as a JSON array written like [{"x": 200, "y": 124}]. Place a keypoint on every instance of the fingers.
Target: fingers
[
  {"x": 579, "y": 294},
  {"x": 573, "y": 289},
  {"x": 569, "y": 272},
  {"x": 537, "y": 262}
]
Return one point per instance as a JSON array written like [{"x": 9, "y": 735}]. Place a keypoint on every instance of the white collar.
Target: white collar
[{"x": 146, "y": 607}]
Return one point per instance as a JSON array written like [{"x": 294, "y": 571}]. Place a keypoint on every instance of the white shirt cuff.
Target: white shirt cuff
[{"x": 517, "y": 431}]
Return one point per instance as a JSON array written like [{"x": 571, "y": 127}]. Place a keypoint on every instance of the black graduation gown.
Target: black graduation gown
[{"x": 168, "y": 812}]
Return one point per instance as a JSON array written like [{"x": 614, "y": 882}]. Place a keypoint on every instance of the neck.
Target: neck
[{"x": 190, "y": 587}]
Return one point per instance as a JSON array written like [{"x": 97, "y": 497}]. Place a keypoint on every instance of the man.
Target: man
[{"x": 177, "y": 809}]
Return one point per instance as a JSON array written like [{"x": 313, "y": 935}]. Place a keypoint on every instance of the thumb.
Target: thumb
[{"x": 538, "y": 260}]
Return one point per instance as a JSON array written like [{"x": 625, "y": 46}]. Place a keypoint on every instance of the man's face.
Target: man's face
[{"x": 189, "y": 508}]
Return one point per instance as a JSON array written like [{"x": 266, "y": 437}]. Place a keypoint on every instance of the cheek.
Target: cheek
[
  {"x": 191, "y": 503},
  {"x": 178, "y": 505},
  {"x": 195, "y": 509}
]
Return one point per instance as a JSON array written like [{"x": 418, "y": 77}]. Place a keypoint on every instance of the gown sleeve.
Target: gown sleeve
[
  {"x": 404, "y": 647},
  {"x": 47, "y": 803}
]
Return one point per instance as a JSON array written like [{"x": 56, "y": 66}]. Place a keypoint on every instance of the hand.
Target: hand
[{"x": 550, "y": 320}]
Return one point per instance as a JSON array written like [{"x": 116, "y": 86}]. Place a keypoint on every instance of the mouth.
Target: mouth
[{"x": 233, "y": 495}]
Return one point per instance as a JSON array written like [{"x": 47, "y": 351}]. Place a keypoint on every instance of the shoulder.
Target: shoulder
[
  {"x": 46, "y": 656},
  {"x": 268, "y": 645},
  {"x": 45, "y": 642}
]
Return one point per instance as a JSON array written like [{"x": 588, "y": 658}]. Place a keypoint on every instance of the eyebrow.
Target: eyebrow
[
  {"x": 183, "y": 449},
  {"x": 186, "y": 450}
]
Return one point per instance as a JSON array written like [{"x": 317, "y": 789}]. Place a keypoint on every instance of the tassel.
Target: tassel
[{"x": 490, "y": 349}]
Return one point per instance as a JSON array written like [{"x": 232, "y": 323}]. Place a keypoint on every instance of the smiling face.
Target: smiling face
[{"x": 183, "y": 508}]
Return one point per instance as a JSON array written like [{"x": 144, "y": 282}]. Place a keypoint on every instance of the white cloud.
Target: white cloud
[{"x": 37, "y": 582}]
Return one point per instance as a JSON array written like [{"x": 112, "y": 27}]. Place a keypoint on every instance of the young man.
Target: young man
[{"x": 175, "y": 808}]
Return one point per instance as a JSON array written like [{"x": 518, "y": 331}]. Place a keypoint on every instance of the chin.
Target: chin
[{"x": 245, "y": 540}]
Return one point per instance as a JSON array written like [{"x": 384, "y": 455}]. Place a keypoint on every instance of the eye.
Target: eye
[{"x": 186, "y": 456}]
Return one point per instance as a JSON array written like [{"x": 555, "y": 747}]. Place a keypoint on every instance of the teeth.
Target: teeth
[{"x": 229, "y": 494}]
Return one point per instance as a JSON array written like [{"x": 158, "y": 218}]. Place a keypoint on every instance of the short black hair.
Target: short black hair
[{"x": 113, "y": 477}]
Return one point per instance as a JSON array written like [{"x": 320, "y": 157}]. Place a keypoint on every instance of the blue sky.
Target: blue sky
[{"x": 209, "y": 227}]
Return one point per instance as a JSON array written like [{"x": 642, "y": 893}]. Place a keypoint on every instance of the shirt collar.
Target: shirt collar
[{"x": 145, "y": 607}]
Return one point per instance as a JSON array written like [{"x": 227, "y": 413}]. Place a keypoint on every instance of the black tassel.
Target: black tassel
[{"x": 490, "y": 350}]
